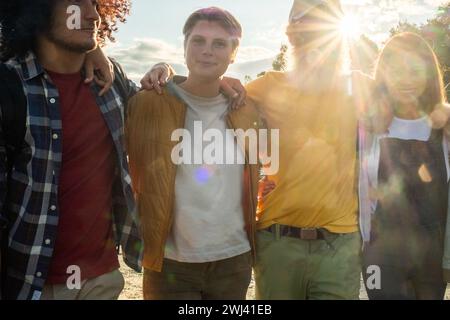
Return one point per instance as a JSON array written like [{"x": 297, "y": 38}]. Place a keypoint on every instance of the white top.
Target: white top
[
  {"x": 208, "y": 215},
  {"x": 418, "y": 129}
]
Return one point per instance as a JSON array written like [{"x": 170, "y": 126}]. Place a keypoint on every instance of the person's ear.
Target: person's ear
[{"x": 185, "y": 43}]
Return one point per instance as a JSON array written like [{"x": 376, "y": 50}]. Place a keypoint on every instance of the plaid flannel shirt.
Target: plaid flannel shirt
[{"x": 32, "y": 207}]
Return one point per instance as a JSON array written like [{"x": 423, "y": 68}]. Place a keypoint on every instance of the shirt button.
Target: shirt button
[
  {"x": 48, "y": 241},
  {"x": 38, "y": 274},
  {"x": 53, "y": 208},
  {"x": 52, "y": 100},
  {"x": 55, "y": 136}
]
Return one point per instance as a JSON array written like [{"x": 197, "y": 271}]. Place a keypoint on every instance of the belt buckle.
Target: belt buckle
[{"x": 309, "y": 234}]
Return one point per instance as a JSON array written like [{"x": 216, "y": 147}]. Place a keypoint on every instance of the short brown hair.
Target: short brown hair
[{"x": 214, "y": 14}]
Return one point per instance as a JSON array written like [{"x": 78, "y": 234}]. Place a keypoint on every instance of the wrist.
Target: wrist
[{"x": 166, "y": 67}]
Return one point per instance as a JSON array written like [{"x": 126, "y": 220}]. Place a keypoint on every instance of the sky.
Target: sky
[{"x": 153, "y": 31}]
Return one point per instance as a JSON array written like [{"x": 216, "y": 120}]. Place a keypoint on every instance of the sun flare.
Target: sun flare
[{"x": 350, "y": 27}]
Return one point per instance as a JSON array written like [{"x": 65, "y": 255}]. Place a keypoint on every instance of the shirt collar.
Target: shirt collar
[{"x": 29, "y": 65}]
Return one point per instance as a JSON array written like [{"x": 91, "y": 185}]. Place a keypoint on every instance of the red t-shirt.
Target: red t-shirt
[{"x": 85, "y": 235}]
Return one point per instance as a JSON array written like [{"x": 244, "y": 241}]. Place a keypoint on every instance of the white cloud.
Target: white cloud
[
  {"x": 379, "y": 16},
  {"x": 253, "y": 53}
]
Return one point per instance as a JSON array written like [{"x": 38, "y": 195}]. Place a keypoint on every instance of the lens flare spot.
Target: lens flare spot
[
  {"x": 424, "y": 174},
  {"x": 203, "y": 174}
]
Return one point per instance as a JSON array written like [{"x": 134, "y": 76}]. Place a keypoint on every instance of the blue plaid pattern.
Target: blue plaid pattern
[{"x": 32, "y": 206}]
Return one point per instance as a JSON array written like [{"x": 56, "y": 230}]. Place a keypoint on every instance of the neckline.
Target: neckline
[
  {"x": 418, "y": 120},
  {"x": 219, "y": 97},
  {"x": 64, "y": 76}
]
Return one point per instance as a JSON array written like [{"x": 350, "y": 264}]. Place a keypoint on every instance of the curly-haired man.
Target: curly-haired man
[{"x": 67, "y": 196}]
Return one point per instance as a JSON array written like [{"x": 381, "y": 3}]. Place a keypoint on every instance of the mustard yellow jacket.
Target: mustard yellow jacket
[{"x": 151, "y": 119}]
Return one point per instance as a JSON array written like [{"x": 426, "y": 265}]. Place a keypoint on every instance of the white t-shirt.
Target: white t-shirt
[
  {"x": 417, "y": 129},
  {"x": 208, "y": 220}
]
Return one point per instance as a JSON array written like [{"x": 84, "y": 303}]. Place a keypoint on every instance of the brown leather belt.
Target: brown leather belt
[{"x": 301, "y": 233}]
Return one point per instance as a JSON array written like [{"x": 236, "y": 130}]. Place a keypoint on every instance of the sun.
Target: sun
[{"x": 350, "y": 27}]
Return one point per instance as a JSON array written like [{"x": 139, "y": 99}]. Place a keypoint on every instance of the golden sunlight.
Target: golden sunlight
[{"x": 350, "y": 27}]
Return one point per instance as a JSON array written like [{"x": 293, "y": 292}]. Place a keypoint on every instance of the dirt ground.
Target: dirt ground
[{"x": 133, "y": 286}]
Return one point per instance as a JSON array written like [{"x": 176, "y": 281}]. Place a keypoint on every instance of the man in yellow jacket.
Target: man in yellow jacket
[
  {"x": 308, "y": 240},
  {"x": 197, "y": 208}
]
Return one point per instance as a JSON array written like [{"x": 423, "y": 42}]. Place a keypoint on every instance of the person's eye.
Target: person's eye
[
  {"x": 220, "y": 44},
  {"x": 197, "y": 41}
]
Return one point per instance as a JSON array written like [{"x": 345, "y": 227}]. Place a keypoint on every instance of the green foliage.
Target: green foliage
[
  {"x": 261, "y": 74},
  {"x": 437, "y": 32},
  {"x": 280, "y": 62}
]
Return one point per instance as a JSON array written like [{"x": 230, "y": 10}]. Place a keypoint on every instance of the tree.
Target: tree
[
  {"x": 437, "y": 32},
  {"x": 280, "y": 62},
  {"x": 247, "y": 79},
  {"x": 404, "y": 26}
]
